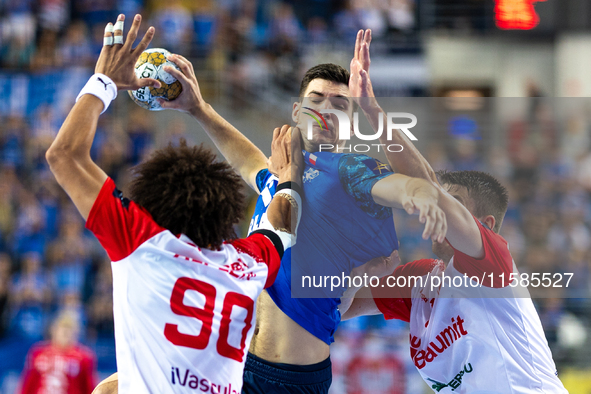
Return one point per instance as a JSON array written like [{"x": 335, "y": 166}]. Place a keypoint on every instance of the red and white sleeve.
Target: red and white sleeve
[
  {"x": 119, "y": 224},
  {"x": 262, "y": 249},
  {"x": 497, "y": 259},
  {"x": 393, "y": 301}
]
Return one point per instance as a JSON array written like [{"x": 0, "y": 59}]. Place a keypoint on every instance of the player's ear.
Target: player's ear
[
  {"x": 295, "y": 112},
  {"x": 490, "y": 221}
]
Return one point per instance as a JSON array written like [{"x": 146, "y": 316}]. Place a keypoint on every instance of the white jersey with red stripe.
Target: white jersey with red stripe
[
  {"x": 184, "y": 315},
  {"x": 473, "y": 339}
]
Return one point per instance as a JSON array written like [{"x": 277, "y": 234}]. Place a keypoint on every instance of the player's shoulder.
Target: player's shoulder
[
  {"x": 491, "y": 238},
  {"x": 250, "y": 246},
  {"x": 359, "y": 164}
]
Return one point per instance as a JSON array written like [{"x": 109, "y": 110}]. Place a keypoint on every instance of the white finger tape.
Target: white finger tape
[
  {"x": 118, "y": 40},
  {"x": 108, "y": 40},
  {"x": 101, "y": 86},
  {"x": 109, "y": 28},
  {"x": 119, "y": 25}
]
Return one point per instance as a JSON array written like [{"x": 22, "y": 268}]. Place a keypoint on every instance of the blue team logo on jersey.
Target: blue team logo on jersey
[
  {"x": 310, "y": 174},
  {"x": 376, "y": 167}
]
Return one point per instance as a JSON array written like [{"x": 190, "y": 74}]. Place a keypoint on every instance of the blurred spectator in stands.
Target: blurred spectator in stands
[
  {"x": 61, "y": 365},
  {"x": 374, "y": 369},
  {"x": 140, "y": 128},
  {"x": 46, "y": 56},
  {"x": 53, "y": 15},
  {"x": 48, "y": 193},
  {"x": 536, "y": 224},
  {"x": 372, "y": 16},
  {"x": 285, "y": 34},
  {"x": 7, "y": 205},
  {"x": 466, "y": 155},
  {"x": 114, "y": 150},
  {"x": 174, "y": 24},
  {"x": 12, "y": 139},
  {"x": 28, "y": 233},
  {"x": 44, "y": 128},
  {"x": 570, "y": 232},
  {"x": 31, "y": 296},
  {"x": 17, "y": 29},
  {"x": 551, "y": 312},
  {"x": 76, "y": 49},
  {"x": 17, "y": 53},
  {"x": 437, "y": 157},
  {"x": 401, "y": 14},
  {"x": 5, "y": 276},
  {"x": 511, "y": 231},
  {"x": 71, "y": 302},
  {"x": 284, "y": 28},
  {"x": 100, "y": 308},
  {"x": 317, "y": 31},
  {"x": 69, "y": 255},
  {"x": 96, "y": 12},
  {"x": 347, "y": 22},
  {"x": 177, "y": 130}
]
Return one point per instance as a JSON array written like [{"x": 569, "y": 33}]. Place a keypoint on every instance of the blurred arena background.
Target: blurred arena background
[{"x": 249, "y": 57}]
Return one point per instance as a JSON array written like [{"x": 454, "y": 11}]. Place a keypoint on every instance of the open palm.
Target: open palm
[{"x": 359, "y": 83}]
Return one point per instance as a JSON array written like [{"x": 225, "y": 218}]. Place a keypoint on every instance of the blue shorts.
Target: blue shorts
[{"x": 264, "y": 377}]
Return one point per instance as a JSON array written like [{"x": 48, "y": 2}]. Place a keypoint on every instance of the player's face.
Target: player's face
[
  {"x": 319, "y": 95},
  {"x": 64, "y": 335},
  {"x": 460, "y": 193}
]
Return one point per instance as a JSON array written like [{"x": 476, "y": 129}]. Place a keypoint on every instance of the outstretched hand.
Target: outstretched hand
[
  {"x": 286, "y": 161},
  {"x": 430, "y": 214},
  {"x": 359, "y": 82},
  {"x": 117, "y": 59},
  {"x": 190, "y": 99}
]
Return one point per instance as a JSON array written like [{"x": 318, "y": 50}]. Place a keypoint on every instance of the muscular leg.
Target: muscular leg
[{"x": 108, "y": 386}]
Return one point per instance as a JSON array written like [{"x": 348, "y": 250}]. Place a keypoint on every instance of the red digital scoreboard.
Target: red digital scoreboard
[{"x": 516, "y": 14}]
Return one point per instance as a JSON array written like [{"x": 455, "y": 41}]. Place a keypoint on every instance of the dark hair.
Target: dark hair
[
  {"x": 188, "y": 192},
  {"x": 489, "y": 196},
  {"x": 327, "y": 71}
]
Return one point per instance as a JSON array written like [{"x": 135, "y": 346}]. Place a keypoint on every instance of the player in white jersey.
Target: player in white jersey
[
  {"x": 184, "y": 297},
  {"x": 477, "y": 334}
]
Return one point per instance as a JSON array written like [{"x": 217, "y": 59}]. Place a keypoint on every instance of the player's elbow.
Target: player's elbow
[
  {"x": 52, "y": 156},
  {"x": 58, "y": 154}
]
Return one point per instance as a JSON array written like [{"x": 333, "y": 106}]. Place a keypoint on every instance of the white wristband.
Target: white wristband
[{"x": 101, "y": 86}]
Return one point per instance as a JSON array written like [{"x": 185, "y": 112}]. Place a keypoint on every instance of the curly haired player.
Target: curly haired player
[
  {"x": 481, "y": 336},
  {"x": 184, "y": 288}
]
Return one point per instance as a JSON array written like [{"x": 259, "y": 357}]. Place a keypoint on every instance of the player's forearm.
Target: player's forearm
[
  {"x": 238, "y": 150},
  {"x": 362, "y": 305},
  {"x": 395, "y": 189},
  {"x": 74, "y": 139},
  {"x": 408, "y": 162}
]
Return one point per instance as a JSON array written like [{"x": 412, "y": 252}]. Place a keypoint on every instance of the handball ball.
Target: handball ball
[{"x": 151, "y": 65}]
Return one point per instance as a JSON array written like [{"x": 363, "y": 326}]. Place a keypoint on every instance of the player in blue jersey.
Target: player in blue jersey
[{"x": 346, "y": 222}]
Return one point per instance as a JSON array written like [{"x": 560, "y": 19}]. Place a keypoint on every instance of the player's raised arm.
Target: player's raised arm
[
  {"x": 286, "y": 162},
  {"x": 69, "y": 154},
  {"x": 238, "y": 150},
  {"x": 411, "y": 163},
  {"x": 463, "y": 233}
]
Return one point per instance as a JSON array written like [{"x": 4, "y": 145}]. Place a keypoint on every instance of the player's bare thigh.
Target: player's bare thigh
[
  {"x": 279, "y": 339},
  {"x": 108, "y": 386}
]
